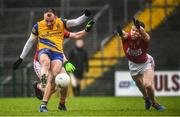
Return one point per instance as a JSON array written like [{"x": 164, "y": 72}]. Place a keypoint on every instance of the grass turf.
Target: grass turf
[{"x": 89, "y": 106}]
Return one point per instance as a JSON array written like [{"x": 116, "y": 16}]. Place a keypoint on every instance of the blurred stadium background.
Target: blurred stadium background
[{"x": 107, "y": 60}]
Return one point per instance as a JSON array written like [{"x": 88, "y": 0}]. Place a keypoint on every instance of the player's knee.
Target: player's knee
[
  {"x": 52, "y": 82},
  {"x": 55, "y": 72},
  {"x": 138, "y": 83}
]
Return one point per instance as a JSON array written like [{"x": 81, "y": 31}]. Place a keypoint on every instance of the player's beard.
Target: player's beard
[{"x": 50, "y": 26}]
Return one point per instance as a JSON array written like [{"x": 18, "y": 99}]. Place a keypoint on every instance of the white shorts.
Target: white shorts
[
  {"x": 37, "y": 68},
  {"x": 140, "y": 68}
]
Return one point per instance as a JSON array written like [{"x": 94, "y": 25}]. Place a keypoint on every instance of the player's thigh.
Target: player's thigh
[
  {"x": 148, "y": 77},
  {"x": 56, "y": 66},
  {"x": 63, "y": 70},
  {"x": 44, "y": 60},
  {"x": 138, "y": 79}
]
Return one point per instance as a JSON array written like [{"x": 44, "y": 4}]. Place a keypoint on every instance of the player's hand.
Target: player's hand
[
  {"x": 119, "y": 30},
  {"x": 87, "y": 12},
  {"x": 89, "y": 25},
  {"x": 136, "y": 23},
  {"x": 17, "y": 63},
  {"x": 69, "y": 67}
]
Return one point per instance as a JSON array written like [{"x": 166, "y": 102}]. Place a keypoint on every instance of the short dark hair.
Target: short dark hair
[
  {"x": 142, "y": 24},
  {"x": 50, "y": 10}
]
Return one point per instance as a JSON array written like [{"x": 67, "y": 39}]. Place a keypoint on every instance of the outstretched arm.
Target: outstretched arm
[
  {"x": 78, "y": 35},
  {"x": 28, "y": 46},
  {"x": 83, "y": 33},
  {"x": 25, "y": 51},
  {"x": 145, "y": 36},
  {"x": 79, "y": 20}
]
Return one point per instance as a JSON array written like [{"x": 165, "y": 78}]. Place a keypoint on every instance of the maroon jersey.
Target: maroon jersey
[
  {"x": 66, "y": 35},
  {"x": 135, "y": 50}
]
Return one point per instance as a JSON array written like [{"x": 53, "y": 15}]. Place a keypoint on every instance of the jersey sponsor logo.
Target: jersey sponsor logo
[
  {"x": 53, "y": 33},
  {"x": 133, "y": 52}
]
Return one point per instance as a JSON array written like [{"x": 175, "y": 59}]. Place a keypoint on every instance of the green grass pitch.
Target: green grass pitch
[{"x": 89, "y": 106}]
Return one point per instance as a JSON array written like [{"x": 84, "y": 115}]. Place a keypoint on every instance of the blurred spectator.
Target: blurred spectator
[{"x": 79, "y": 58}]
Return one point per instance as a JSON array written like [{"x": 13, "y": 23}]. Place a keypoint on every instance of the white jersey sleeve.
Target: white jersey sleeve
[
  {"x": 76, "y": 22},
  {"x": 28, "y": 45}
]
